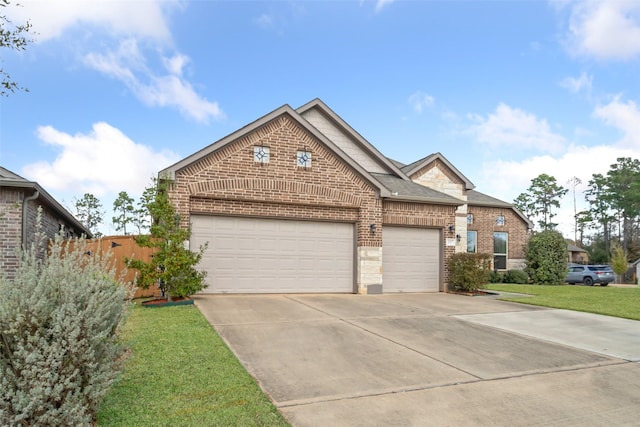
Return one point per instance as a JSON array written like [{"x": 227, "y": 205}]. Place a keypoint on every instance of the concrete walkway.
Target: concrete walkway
[{"x": 432, "y": 359}]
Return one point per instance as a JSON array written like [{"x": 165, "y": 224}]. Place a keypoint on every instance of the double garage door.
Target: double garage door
[{"x": 258, "y": 255}]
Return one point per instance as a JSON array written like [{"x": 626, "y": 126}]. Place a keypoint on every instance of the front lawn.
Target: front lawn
[
  {"x": 181, "y": 373},
  {"x": 618, "y": 302}
]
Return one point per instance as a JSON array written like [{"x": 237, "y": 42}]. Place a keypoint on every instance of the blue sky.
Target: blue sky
[{"x": 506, "y": 90}]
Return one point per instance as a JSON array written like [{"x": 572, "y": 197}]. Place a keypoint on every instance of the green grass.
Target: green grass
[
  {"x": 181, "y": 373},
  {"x": 618, "y": 302}
]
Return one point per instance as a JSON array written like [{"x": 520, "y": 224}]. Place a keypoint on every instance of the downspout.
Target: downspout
[{"x": 25, "y": 202}]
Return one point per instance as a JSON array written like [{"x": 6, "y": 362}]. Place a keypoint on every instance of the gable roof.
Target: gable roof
[
  {"x": 13, "y": 180},
  {"x": 574, "y": 248},
  {"x": 476, "y": 198},
  {"x": 355, "y": 136},
  {"x": 412, "y": 192},
  {"x": 284, "y": 110},
  {"x": 419, "y": 164}
]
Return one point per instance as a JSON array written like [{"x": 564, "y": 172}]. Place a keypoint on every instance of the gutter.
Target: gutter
[{"x": 25, "y": 202}]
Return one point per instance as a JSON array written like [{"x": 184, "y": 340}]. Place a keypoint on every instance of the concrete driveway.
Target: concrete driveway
[{"x": 432, "y": 360}]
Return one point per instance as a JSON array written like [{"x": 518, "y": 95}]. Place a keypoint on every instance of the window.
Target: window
[
  {"x": 499, "y": 250},
  {"x": 500, "y": 220},
  {"x": 261, "y": 154},
  {"x": 470, "y": 218},
  {"x": 304, "y": 159},
  {"x": 472, "y": 242}
]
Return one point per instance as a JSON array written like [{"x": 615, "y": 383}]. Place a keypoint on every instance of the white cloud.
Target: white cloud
[
  {"x": 577, "y": 84},
  {"x": 512, "y": 127},
  {"x": 51, "y": 19},
  {"x": 507, "y": 179},
  {"x": 128, "y": 65},
  {"x": 265, "y": 21},
  {"x": 608, "y": 30},
  {"x": 100, "y": 162},
  {"x": 380, "y": 4},
  {"x": 420, "y": 101},
  {"x": 626, "y": 117},
  {"x": 127, "y": 24}
]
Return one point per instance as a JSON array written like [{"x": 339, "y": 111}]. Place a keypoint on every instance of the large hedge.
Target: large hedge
[
  {"x": 469, "y": 272},
  {"x": 546, "y": 258},
  {"x": 59, "y": 322}
]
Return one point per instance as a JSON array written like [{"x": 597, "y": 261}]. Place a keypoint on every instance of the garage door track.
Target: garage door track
[{"x": 431, "y": 359}]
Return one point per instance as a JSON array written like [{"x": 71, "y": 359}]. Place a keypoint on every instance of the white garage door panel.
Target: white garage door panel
[
  {"x": 410, "y": 259},
  {"x": 252, "y": 255}
]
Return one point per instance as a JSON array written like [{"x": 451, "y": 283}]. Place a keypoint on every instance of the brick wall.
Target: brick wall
[
  {"x": 484, "y": 222},
  {"x": 10, "y": 228},
  {"x": 229, "y": 181},
  {"x": 11, "y": 204}
]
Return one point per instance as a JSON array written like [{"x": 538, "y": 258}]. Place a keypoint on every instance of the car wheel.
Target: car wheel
[{"x": 588, "y": 281}]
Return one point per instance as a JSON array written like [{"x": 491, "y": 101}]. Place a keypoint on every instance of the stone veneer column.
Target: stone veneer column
[{"x": 369, "y": 270}]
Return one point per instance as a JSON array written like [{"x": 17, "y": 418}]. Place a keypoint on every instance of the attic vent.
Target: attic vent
[{"x": 261, "y": 154}]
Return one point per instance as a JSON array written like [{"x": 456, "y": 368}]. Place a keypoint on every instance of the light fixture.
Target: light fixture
[
  {"x": 372, "y": 228},
  {"x": 115, "y": 245},
  {"x": 458, "y": 237},
  {"x": 451, "y": 229}
]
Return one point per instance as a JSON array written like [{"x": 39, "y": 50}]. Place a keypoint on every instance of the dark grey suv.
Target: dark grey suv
[{"x": 590, "y": 274}]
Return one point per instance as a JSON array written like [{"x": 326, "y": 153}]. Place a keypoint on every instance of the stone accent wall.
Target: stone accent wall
[
  {"x": 230, "y": 182},
  {"x": 484, "y": 222},
  {"x": 438, "y": 176},
  {"x": 425, "y": 216},
  {"x": 369, "y": 270}
]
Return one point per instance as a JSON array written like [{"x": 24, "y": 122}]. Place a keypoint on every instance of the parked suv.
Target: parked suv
[{"x": 590, "y": 274}]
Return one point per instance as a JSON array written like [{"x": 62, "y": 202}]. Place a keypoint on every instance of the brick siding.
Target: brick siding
[
  {"x": 484, "y": 222},
  {"x": 229, "y": 181}
]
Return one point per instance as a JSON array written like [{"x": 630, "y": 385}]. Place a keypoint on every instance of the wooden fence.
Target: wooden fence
[{"x": 122, "y": 247}]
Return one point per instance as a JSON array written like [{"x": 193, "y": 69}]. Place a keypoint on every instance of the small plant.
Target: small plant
[
  {"x": 496, "y": 277},
  {"x": 469, "y": 272},
  {"x": 519, "y": 277},
  {"x": 172, "y": 266},
  {"x": 546, "y": 254},
  {"x": 59, "y": 322},
  {"x": 619, "y": 263}
]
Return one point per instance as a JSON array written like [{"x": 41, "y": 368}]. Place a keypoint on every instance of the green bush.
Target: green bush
[
  {"x": 59, "y": 322},
  {"x": 519, "y": 277},
  {"x": 469, "y": 272},
  {"x": 546, "y": 258},
  {"x": 496, "y": 277}
]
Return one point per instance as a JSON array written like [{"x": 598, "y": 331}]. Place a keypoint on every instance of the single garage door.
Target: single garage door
[
  {"x": 410, "y": 259},
  {"x": 256, "y": 255}
]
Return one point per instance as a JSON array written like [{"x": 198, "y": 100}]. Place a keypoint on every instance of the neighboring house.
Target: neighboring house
[
  {"x": 636, "y": 271},
  {"x": 577, "y": 255},
  {"x": 19, "y": 203},
  {"x": 298, "y": 201}
]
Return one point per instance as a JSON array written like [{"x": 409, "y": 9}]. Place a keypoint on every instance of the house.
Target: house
[
  {"x": 19, "y": 203},
  {"x": 577, "y": 255},
  {"x": 298, "y": 201}
]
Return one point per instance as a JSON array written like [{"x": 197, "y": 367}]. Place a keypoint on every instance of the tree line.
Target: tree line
[
  {"x": 611, "y": 222},
  {"x": 128, "y": 215}
]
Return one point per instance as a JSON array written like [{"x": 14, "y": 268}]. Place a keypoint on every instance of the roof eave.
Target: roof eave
[
  {"x": 362, "y": 141},
  {"x": 52, "y": 202},
  {"x": 285, "y": 109},
  {"x": 426, "y": 200}
]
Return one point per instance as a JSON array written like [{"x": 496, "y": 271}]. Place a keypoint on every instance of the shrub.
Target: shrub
[
  {"x": 519, "y": 277},
  {"x": 496, "y": 277},
  {"x": 172, "y": 265},
  {"x": 546, "y": 258},
  {"x": 59, "y": 321},
  {"x": 469, "y": 272}
]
